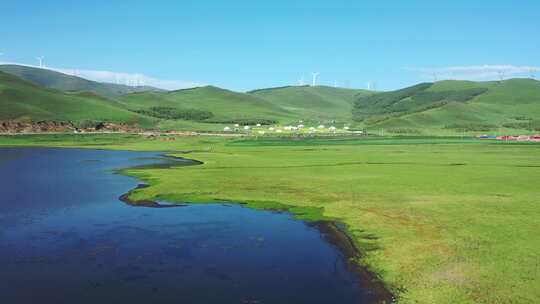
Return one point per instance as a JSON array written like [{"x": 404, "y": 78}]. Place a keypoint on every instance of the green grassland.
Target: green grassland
[
  {"x": 20, "y": 99},
  {"x": 226, "y": 106},
  {"x": 63, "y": 82},
  {"x": 320, "y": 103},
  {"x": 440, "y": 220},
  {"x": 274, "y": 106},
  {"x": 442, "y": 108},
  {"x": 451, "y": 107}
]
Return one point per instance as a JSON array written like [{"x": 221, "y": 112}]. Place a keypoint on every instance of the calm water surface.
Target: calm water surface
[{"x": 66, "y": 238}]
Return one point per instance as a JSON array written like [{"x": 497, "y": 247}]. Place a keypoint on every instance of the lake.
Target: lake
[{"x": 65, "y": 237}]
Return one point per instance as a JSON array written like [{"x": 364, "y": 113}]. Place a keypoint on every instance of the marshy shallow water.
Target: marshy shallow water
[{"x": 65, "y": 237}]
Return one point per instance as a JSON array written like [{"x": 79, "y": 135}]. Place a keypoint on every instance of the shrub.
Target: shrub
[
  {"x": 409, "y": 100},
  {"x": 403, "y": 131},
  {"x": 245, "y": 121},
  {"x": 472, "y": 127},
  {"x": 380, "y": 103},
  {"x": 174, "y": 113},
  {"x": 90, "y": 124},
  {"x": 460, "y": 95},
  {"x": 522, "y": 118},
  {"x": 532, "y": 125}
]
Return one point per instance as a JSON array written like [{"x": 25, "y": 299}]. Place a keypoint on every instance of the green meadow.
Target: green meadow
[
  {"x": 439, "y": 220},
  {"x": 442, "y": 108}
]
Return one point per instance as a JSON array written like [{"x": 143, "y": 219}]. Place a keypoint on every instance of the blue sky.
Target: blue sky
[{"x": 244, "y": 45}]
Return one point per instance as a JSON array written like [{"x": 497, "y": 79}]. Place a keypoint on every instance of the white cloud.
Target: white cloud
[
  {"x": 121, "y": 78},
  {"x": 477, "y": 72}
]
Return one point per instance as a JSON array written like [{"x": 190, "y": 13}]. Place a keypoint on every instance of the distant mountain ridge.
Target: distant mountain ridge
[
  {"x": 454, "y": 106},
  {"x": 444, "y": 107},
  {"x": 226, "y": 106},
  {"x": 63, "y": 82},
  {"x": 313, "y": 103},
  {"x": 287, "y": 104},
  {"x": 25, "y": 101}
]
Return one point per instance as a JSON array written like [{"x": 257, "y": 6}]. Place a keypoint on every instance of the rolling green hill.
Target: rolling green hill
[
  {"x": 319, "y": 103},
  {"x": 20, "y": 99},
  {"x": 445, "y": 107},
  {"x": 454, "y": 107},
  {"x": 217, "y": 106},
  {"x": 224, "y": 106},
  {"x": 63, "y": 82},
  {"x": 203, "y": 108}
]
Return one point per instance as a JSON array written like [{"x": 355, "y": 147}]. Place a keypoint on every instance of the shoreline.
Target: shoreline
[
  {"x": 144, "y": 203},
  {"x": 338, "y": 237},
  {"x": 328, "y": 229}
]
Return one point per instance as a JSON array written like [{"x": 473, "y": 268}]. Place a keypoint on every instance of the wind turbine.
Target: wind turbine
[
  {"x": 335, "y": 83},
  {"x": 369, "y": 85},
  {"x": 435, "y": 77},
  {"x": 315, "y": 75},
  {"x": 501, "y": 75},
  {"x": 40, "y": 59},
  {"x": 301, "y": 81}
]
